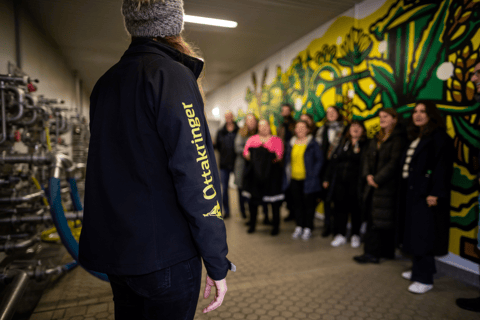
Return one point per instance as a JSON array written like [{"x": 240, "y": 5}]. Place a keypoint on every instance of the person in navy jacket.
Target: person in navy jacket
[
  {"x": 303, "y": 164},
  {"x": 152, "y": 193}
]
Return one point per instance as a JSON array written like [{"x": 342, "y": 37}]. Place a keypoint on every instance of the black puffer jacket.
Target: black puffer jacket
[{"x": 384, "y": 164}]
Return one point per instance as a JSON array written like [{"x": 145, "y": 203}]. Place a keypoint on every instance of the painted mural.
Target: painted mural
[{"x": 406, "y": 51}]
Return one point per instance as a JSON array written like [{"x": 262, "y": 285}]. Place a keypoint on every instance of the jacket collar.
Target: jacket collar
[
  {"x": 294, "y": 139},
  {"x": 146, "y": 45}
]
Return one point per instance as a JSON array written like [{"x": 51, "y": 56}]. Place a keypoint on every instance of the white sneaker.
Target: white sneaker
[
  {"x": 338, "y": 240},
  {"x": 319, "y": 215},
  {"x": 297, "y": 233},
  {"x": 407, "y": 275},
  {"x": 307, "y": 234},
  {"x": 420, "y": 288},
  {"x": 355, "y": 241}
]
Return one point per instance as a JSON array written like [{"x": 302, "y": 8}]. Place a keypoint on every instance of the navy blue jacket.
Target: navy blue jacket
[
  {"x": 313, "y": 158},
  {"x": 152, "y": 193}
]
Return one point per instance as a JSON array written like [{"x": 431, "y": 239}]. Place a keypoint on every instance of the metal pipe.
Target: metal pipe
[
  {"x": 14, "y": 236},
  {"x": 40, "y": 218},
  {"x": 26, "y": 198},
  {"x": 31, "y": 121},
  {"x": 62, "y": 161},
  {"x": 20, "y": 93},
  {"x": 10, "y": 246},
  {"x": 19, "y": 114},
  {"x": 26, "y": 158},
  {"x": 4, "y": 117},
  {"x": 17, "y": 211},
  {"x": 15, "y": 293}
]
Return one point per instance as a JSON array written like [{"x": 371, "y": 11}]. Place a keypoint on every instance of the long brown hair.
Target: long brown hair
[
  {"x": 244, "y": 132},
  {"x": 435, "y": 121},
  {"x": 179, "y": 43},
  {"x": 381, "y": 134}
]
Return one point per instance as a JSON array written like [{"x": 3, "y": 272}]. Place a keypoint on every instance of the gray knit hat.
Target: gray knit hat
[{"x": 154, "y": 18}]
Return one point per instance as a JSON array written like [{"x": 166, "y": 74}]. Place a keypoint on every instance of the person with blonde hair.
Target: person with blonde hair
[
  {"x": 152, "y": 190},
  {"x": 380, "y": 173}
]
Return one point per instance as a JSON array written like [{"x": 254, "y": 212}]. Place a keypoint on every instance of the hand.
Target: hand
[
  {"x": 221, "y": 288},
  {"x": 432, "y": 201},
  {"x": 371, "y": 181},
  {"x": 247, "y": 156},
  {"x": 326, "y": 184}
]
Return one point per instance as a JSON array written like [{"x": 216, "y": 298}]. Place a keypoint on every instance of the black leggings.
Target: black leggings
[
  {"x": 303, "y": 204},
  {"x": 253, "y": 206},
  {"x": 342, "y": 207}
]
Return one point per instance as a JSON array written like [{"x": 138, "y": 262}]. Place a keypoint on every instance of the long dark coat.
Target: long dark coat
[
  {"x": 430, "y": 173},
  {"x": 384, "y": 165}
]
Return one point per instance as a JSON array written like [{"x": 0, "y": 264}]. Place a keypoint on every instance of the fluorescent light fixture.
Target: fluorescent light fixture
[{"x": 210, "y": 21}]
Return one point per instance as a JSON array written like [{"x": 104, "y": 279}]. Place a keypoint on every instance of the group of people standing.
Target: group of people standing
[{"x": 398, "y": 182}]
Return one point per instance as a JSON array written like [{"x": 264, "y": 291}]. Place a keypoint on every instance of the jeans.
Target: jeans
[
  {"x": 224, "y": 177},
  {"x": 169, "y": 293}
]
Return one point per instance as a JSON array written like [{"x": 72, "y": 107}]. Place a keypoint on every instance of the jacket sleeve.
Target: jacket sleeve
[
  {"x": 247, "y": 146},
  {"x": 392, "y": 167},
  {"x": 364, "y": 162},
  {"x": 442, "y": 171},
  {"x": 239, "y": 144},
  {"x": 182, "y": 127},
  {"x": 318, "y": 164},
  {"x": 319, "y": 136}
]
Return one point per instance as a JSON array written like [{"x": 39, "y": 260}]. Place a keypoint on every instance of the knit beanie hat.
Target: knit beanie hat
[{"x": 153, "y": 18}]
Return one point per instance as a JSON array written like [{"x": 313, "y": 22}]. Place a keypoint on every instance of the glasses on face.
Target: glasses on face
[{"x": 476, "y": 73}]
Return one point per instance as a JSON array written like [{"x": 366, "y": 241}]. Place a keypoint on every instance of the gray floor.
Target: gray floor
[{"x": 280, "y": 279}]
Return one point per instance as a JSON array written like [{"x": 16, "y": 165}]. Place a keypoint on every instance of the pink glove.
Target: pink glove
[{"x": 221, "y": 287}]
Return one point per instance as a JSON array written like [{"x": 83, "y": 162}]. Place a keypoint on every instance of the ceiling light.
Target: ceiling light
[{"x": 210, "y": 21}]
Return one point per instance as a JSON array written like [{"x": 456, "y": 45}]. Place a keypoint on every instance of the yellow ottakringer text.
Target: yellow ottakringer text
[{"x": 202, "y": 157}]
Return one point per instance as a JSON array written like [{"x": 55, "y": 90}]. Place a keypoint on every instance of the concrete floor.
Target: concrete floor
[{"x": 279, "y": 278}]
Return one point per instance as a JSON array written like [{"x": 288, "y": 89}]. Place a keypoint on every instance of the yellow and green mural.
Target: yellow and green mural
[{"x": 405, "y": 51}]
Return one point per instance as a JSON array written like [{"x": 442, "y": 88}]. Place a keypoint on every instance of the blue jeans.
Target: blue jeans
[
  {"x": 224, "y": 177},
  {"x": 169, "y": 293}
]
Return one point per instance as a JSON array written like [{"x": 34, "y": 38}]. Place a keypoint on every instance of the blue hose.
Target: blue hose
[
  {"x": 58, "y": 217},
  {"x": 77, "y": 204},
  {"x": 70, "y": 266}
]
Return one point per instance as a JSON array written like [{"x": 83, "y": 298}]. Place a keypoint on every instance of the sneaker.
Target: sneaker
[
  {"x": 307, "y": 234},
  {"x": 319, "y": 215},
  {"x": 420, "y": 288},
  {"x": 297, "y": 233},
  {"x": 338, "y": 240},
  {"x": 355, "y": 241},
  {"x": 407, "y": 275}
]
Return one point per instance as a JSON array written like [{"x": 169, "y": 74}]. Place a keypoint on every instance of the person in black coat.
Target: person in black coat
[
  {"x": 342, "y": 179},
  {"x": 226, "y": 148},
  {"x": 381, "y": 168},
  {"x": 426, "y": 178},
  {"x": 286, "y": 131},
  {"x": 152, "y": 187}
]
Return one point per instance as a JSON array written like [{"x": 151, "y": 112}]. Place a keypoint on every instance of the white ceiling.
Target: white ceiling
[{"x": 91, "y": 35}]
